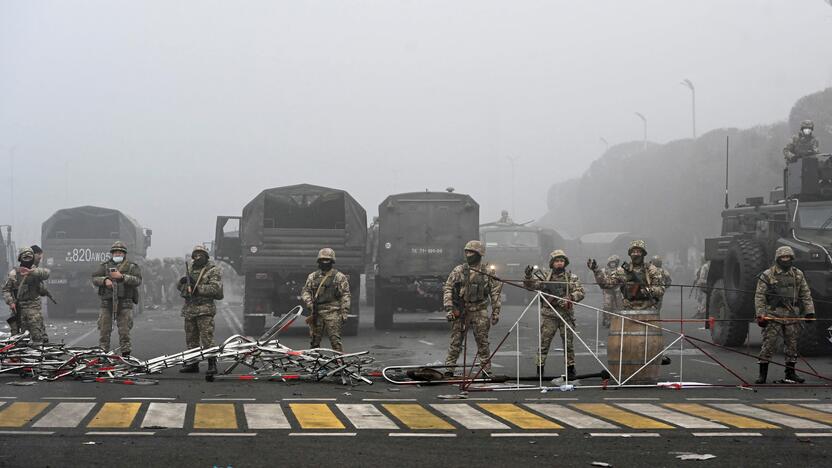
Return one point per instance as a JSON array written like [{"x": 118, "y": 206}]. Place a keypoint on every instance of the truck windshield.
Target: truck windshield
[
  {"x": 815, "y": 217},
  {"x": 511, "y": 239}
]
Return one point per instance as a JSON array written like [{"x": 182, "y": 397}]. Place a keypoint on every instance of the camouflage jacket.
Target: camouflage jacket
[
  {"x": 782, "y": 293},
  {"x": 127, "y": 288},
  {"x": 641, "y": 288},
  {"x": 328, "y": 292},
  {"x": 801, "y": 146},
  {"x": 206, "y": 284},
  {"x": 563, "y": 284},
  {"x": 28, "y": 289},
  {"x": 667, "y": 281},
  {"x": 476, "y": 293},
  {"x": 601, "y": 277}
]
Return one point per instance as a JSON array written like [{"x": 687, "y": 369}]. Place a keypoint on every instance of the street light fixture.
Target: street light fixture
[
  {"x": 644, "y": 121},
  {"x": 689, "y": 84}
]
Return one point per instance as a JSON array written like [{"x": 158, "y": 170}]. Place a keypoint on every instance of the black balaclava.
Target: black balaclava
[{"x": 325, "y": 265}]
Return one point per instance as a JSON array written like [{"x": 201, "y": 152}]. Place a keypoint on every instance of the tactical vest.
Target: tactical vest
[
  {"x": 122, "y": 290},
  {"x": 632, "y": 290},
  {"x": 804, "y": 146},
  {"x": 477, "y": 289},
  {"x": 328, "y": 292},
  {"x": 783, "y": 291},
  {"x": 25, "y": 288},
  {"x": 556, "y": 285}
]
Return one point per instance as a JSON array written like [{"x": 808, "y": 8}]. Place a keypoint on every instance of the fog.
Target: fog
[{"x": 176, "y": 112}]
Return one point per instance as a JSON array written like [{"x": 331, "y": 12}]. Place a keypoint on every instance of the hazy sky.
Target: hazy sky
[{"x": 177, "y": 111}]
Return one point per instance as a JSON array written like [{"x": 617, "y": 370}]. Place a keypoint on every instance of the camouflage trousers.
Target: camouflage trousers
[
  {"x": 480, "y": 321},
  {"x": 124, "y": 321},
  {"x": 329, "y": 323},
  {"x": 551, "y": 324},
  {"x": 790, "y": 333},
  {"x": 199, "y": 324},
  {"x": 30, "y": 318},
  {"x": 612, "y": 303}
]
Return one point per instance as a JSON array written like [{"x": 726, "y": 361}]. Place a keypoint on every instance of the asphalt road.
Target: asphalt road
[{"x": 235, "y": 423}]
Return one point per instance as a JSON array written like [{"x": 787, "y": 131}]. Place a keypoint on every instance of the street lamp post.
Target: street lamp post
[
  {"x": 606, "y": 144},
  {"x": 689, "y": 84},
  {"x": 644, "y": 121}
]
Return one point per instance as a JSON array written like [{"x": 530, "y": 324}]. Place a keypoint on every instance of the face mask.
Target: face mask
[
  {"x": 118, "y": 259},
  {"x": 637, "y": 259},
  {"x": 27, "y": 263},
  {"x": 785, "y": 264},
  {"x": 807, "y": 131},
  {"x": 200, "y": 261},
  {"x": 325, "y": 266},
  {"x": 472, "y": 259}
]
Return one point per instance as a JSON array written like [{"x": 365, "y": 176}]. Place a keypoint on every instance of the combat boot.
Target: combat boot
[
  {"x": 212, "y": 366},
  {"x": 791, "y": 377},
  {"x": 666, "y": 360},
  {"x": 763, "y": 373},
  {"x": 127, "y": 354},
  {"x": 570, "y": 373},
  {"x": 539, "y": 371},
  {"x": 449, "y": 374},
  {"x": 190, "y": 368}
]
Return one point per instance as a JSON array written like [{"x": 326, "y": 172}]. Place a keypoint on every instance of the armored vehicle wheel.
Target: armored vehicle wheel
[
  {"x": 731, "y": 332},
  {"x": 253, "y": 325},
  {"x": 383, "y": 317},
  {"x": 743, "y": 265},
  {"x": 814, "y": 339}
]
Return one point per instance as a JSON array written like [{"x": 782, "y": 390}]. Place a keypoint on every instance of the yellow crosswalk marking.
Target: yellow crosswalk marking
[
  {"x": 620, "y": 416},
  {"x": 19, "y": 414},
  {"x": 315, "y": 416},
  {"x": 215, "y": 416},
  {"x": 711, "y": 414},
  {"x": 800, "y": 412},
  {"x": 415, "y": 416},
  {"x": 114, "y": 415},
  {"x": 518, "y": 416}
]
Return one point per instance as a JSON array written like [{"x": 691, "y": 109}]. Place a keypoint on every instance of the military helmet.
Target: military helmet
[
  {"x": 614, "y": 258},
  {"x": 656, "y": 261},
  {"x": 118, "y": 246},
  {"x": 807, "y": 124},
  {"x": 637, "y": 244},
  {"x": 558, "y": 253},
  {"x": 475, "y": 246},
  {"x": 326, "y": 254},
  {"x": 25, "y": 252},
  {"x": 200, "y": 248},
  {"x": 782, "y": 251}
]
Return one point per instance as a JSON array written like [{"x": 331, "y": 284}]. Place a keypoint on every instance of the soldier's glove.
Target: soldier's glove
[
  {"x": 344, "y": 317},
  {"x": 627, "y": 267},
  {"x": 810, "y": 316},
  {"x": 450, "y": 316},
  {"x": 761, "y": 321},
  {"x": 495, "y": 317},
  {"x": 592, "y": 264},
  {"x": 529, "y": 270}
]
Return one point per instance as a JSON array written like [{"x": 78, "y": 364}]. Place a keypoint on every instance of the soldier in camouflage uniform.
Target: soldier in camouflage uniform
[
  {"x": 22, "y": 292},
  {"x": 466, "y": 296},
  {"x": 656, "y": 261},
  {"x": 782, "y": 295},
  {"x": 803, "y": 144},
  {"x": 201, "y": 286},
  {"x": 701, "y": 283},
  {"x": 563, "y": 284},
  {"x": 612, "y": 300},
  {"x": 327, "y": 296},
  {"x": 641, "y": 284},
  {"x": 121, "y": 278}
]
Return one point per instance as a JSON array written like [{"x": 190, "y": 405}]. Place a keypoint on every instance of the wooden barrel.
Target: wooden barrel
[{"x": 630, "y": 347}]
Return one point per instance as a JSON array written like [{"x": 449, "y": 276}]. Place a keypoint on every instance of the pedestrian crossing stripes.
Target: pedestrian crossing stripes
[{"x": 438, "y": 418}]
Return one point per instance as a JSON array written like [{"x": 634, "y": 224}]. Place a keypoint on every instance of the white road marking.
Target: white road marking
[
  {"x": 819, "y": 406},
  {"x": 69, "y": 398},
  {"x": 225, "y": 316},
  {"x": 228, "y": 399},
  {"x": 631, "y": 399},
  {"x": 420, "y": 434},
  {"x": 813, "y": 434},
  {"x": 149, "y": 398},
  {"x": 680, "y": 419},
  {"x": 426, "y": 342},
  {"x": 222, "y": 434},
  {"x": 82, "y": 337},
  {"x": 551, "y": 399},
  {"x": 65, "y": 415},
  {"x": 468, "y": 417},
  {"x": 265, "y": 416},
  {"x": 167, "y": 415},
  {"x": 624, "y": 434},
  {"x": 8, "y": 398},
  {"x": 712, "y": 399},
  {"x": 727, "y": 434},
  {"x": 570, "y": 417},
  {"x": 524, "y": 434},
  {"x": 365, "y": 416},
  {"x": 508, "y": 353},
  {"x": 309, "y": 399},
  {"x": 791, "y": 399},
  {"x": 388, "y": 399},
  {"x": 26, "y": 432},
  {"x": 236, "y": 320},
  {"x": 323, "y": 434},
  {"x": 777, "y": 418},
  {"x": 126, "y": 433}
]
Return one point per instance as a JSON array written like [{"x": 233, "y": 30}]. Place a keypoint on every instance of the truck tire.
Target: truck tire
[
  {"x": 254, "y": 325},
  {"x": 743, "y": 265},
  {"x": 814, "y": 339},
  {"x": 731, "y": 332},
  {"x": 383, "y": 316}
]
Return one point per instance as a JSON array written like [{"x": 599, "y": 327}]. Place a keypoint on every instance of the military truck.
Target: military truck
[
  {"x": 420, "y": 239},
  {"x": 799, "y": 216},
  {"x": 511, "y": 246},
  {"x": 275, "y": 242},
  {"x": 75, "y": 241}
]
